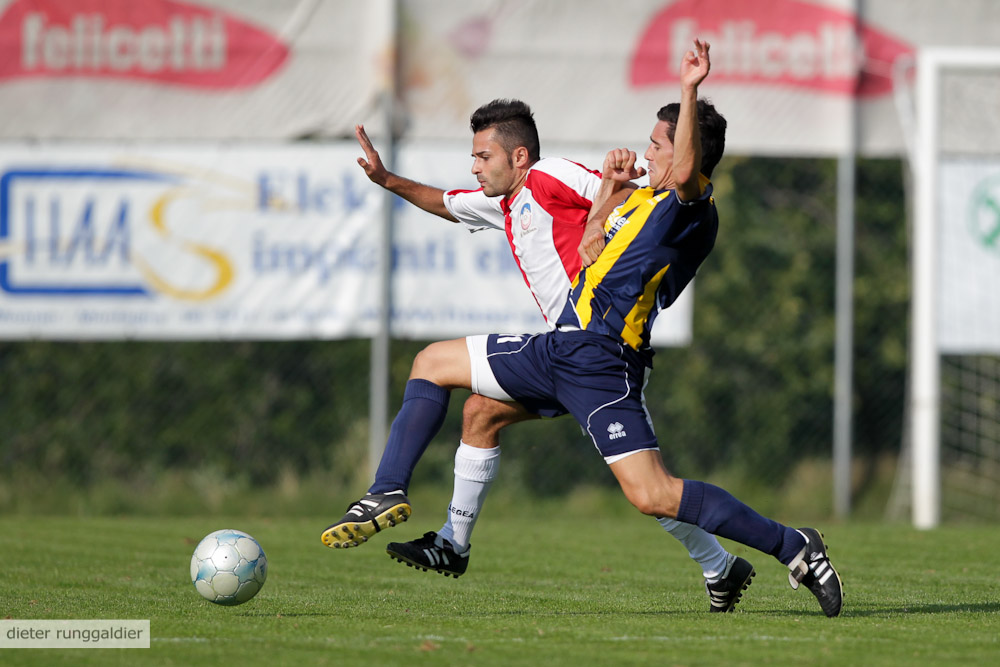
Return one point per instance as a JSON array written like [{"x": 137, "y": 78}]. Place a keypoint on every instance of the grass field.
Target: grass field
[{"x": 569, "y": 590}]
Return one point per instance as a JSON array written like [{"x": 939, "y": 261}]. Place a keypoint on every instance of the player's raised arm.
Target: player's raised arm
[
  {"x": 427, "y": 197},
  {"x": 687, "y": 136}
]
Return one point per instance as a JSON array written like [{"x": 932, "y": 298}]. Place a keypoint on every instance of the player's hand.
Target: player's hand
[
  {"x": 619, "y": 166},
  {"x": 695, "y": 65},
  {"x": 371, "y": 162},
  {"x": 591, "y": 244}
]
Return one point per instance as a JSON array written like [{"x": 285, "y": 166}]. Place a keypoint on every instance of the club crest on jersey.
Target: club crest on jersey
[
  {"x": 615, "y": 222},
  {"x": 524, "y": 217}
]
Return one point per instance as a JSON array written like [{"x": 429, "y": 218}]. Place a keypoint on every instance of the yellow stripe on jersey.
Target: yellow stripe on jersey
[
  {"x": 637, "y": 207},
  {"x": 635, "y": 321}
]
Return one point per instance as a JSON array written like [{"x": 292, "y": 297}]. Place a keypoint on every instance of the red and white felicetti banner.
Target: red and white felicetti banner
[
  {"x": 197, "y": 69},
  {"x": 785, "y": 73}
]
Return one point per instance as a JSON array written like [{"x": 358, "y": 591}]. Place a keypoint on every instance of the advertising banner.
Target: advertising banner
[
  {"x": 785, "y": 73},
  {"x": 266, "y": 242},
  {"x": 185, "y": 243},
  {"x": 215, "y": 69}
]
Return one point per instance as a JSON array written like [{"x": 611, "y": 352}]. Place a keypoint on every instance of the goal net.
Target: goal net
[{"x": 952, "y": 454}]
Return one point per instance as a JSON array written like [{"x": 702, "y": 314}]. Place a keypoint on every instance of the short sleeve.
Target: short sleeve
[{"x": 474, "y": 209}]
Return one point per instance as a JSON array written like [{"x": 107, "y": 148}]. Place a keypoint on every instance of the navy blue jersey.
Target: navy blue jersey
[{"x": 654, "y": 245}]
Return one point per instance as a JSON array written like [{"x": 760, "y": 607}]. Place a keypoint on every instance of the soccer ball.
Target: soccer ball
[{"x": 228, "y": 567}]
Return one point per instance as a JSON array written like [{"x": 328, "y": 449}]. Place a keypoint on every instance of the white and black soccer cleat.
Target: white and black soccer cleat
[
  {"x": 430, "y": 552},
  {"x": 364, "y": 518},
  {"x": 812, "y": 568},
  {"x": 725, "y": 593}
]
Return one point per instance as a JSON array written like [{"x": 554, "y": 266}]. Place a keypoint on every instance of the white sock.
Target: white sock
[
  {"x": 703, "y": 548},
  {"x": 475, "y": 470}
]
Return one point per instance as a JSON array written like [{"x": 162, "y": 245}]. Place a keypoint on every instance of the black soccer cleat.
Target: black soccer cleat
[
  {"x": 812, "y": 567},
  {"x": 366, "y": 517},
  {"x": 725, "y": 593},
  {"x": 430, "y": 552}
]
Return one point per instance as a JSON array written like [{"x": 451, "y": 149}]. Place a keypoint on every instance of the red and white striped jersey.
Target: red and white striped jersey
[{"x": 544, "y": 223}]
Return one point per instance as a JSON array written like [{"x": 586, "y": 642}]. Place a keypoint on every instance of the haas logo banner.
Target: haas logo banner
[
  {"x": 162, "y": 40},
  {"x": 783, "y": 42}
]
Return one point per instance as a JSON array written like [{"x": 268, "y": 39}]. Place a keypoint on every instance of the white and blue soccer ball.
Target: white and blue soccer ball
[{"x": 228, "y": 567}]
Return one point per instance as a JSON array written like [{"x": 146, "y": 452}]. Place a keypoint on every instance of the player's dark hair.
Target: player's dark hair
[
  {"x": 513, "y": 125},
  {"x": 713, "y": 131}
]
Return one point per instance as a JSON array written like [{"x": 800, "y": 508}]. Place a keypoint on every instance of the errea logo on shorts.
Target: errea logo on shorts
[{"x": 616, "y": 430}]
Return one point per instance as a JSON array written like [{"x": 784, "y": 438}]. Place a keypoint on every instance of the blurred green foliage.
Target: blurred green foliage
[{"x": 753, "y": 393}]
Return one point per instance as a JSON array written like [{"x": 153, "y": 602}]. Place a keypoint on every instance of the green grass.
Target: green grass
[{"x": 564, "y": 588}]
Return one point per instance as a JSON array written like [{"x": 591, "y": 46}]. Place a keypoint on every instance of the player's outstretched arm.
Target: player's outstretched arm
[
  {"x": 427, "y": 197},
  {"x": 687, "y": 136}
]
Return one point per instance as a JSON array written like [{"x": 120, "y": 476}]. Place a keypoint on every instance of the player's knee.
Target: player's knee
[
  {"x": 429, "y": 363},
  {"x": 642, "y": 500},
  {"x": 659, "y": 500},
  {"x": 485, "y": 415}
]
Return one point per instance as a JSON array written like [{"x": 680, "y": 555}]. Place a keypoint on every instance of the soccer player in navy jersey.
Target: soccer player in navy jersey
[
  {"x": 592, "y": 364},
  {"x": 543, "y": 205}
]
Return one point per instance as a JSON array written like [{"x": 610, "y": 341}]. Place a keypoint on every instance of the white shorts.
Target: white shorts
[{"x": 483, "y": 382}]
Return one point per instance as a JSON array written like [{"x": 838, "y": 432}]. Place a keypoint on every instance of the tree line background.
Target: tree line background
[{"x": 749, "y": 401}]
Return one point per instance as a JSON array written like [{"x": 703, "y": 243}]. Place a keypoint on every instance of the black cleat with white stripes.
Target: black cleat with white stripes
[
  {"x": 726, "y": 593},
  {"x": 430, "y": 552},
  {"x": 812, "y": 568}
]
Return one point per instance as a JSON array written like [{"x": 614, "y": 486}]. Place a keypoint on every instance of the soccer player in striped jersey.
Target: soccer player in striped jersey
[
  {"x": 642, "y": 247},
  {"x": 542, "y": 204}
]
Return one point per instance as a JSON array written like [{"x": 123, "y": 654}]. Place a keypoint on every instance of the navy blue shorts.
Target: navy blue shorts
[{"x": 591, "y": 376}]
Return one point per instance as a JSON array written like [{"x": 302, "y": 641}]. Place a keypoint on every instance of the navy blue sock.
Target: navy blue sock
[
  {"x": 417, "y": 422},
  {"x": 719, "y": 513}
]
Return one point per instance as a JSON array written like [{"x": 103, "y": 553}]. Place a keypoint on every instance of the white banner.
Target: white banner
[
  {"x": 150, "y": 242},
  {"x": 968, "y": 312},
  {"x": 246, "y": 242}
]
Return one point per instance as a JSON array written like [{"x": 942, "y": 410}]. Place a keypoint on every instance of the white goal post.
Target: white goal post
[{"x": 932, "y": 122}]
